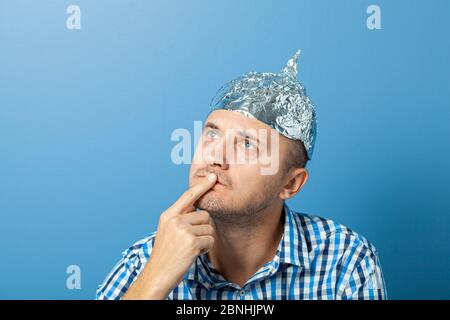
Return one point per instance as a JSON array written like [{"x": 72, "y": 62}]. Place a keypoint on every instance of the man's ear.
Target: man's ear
[{"x": 296, "y": 179}]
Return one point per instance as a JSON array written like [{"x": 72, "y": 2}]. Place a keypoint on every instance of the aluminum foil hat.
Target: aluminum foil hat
[{"x": 277, "y": 99}]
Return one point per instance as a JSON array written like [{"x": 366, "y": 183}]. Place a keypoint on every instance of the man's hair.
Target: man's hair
[{"x": 296, "y": 157}]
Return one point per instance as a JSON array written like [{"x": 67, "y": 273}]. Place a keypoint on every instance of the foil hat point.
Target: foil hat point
[{"x": 291, "y": 66}]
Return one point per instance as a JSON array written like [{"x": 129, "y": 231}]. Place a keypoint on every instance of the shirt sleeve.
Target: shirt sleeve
[
  {"x": 125, "y": 271},
  {"x": 365, "y": 281}
]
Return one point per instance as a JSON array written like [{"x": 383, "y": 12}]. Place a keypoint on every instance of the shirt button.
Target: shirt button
[{"x": 242, "y": 293}]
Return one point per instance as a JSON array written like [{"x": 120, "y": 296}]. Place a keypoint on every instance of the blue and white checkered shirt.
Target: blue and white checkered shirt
[{"x": 316, "y": 259}]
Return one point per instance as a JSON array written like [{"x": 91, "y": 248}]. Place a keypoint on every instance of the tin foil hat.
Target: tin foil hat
[{"x": 277, "y": 99}]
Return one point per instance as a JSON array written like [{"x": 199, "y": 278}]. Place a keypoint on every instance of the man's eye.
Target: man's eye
[
  {"x": 248, "y": 145},
  {"x": 211, "y": 134}
]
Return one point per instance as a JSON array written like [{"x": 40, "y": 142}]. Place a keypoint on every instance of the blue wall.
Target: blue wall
[{"x": 86, "y": 117}]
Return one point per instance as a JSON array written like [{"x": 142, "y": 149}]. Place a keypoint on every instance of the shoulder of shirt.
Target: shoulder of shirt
[
  {"x": 140, "y": 248},
  {"x": 317, "y": 229}
]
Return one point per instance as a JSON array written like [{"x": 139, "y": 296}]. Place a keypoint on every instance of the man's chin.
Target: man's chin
[{"x": 210, "y": 202}]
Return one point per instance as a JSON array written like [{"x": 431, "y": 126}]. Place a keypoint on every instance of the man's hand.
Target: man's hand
[{"x": 182, "y": 235}]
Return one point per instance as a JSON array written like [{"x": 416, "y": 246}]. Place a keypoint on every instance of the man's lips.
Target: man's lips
[
  {"x": 218, "y": 185},
  {"x": 219, "y": 181}
]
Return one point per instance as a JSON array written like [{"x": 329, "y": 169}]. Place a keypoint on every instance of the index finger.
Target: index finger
[{"x": 190, "y": 196}]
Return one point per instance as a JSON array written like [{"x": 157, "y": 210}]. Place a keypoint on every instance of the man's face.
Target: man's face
[{"x": 239, "y": 150}]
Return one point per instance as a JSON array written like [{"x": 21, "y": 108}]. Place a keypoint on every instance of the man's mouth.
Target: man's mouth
[
  {"x": 220, "y": 181},
  {"x": 218, "y": 185}
]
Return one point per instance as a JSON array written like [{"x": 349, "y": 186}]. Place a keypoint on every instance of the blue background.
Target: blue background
[{"x": 86, "y": 118}]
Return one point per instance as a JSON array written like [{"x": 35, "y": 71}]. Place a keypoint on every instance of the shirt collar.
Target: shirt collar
[{"x": 291, "y": 250}]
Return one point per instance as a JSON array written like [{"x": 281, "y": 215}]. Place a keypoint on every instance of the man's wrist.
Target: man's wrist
[{"x": 149, "y": 285}]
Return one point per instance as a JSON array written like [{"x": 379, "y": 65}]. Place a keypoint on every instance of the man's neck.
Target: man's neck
[{"x": 239, "y": 252}]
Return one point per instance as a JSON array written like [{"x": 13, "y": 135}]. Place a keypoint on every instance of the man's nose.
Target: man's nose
[{"x": 216, "y": 155}]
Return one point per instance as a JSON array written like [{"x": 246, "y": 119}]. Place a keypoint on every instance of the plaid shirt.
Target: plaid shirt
[{"x": 316, "y": 259}]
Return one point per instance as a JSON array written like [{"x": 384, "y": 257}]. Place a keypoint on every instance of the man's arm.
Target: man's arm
[{"x": 183, "y": 233}]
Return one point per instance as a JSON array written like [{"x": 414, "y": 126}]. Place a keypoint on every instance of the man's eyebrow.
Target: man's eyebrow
[
  {"x": 211, "y": 125},
  {"x": 249, "y": 134}
]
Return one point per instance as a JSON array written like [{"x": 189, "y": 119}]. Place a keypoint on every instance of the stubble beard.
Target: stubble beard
[{"x": 237, "y": 213}]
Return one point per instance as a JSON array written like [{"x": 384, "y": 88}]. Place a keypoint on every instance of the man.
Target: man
[{"x": 231, "y": 235}]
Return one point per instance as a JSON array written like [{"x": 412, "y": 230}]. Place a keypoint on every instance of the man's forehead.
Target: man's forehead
[{"x": 227, "y": 119}]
